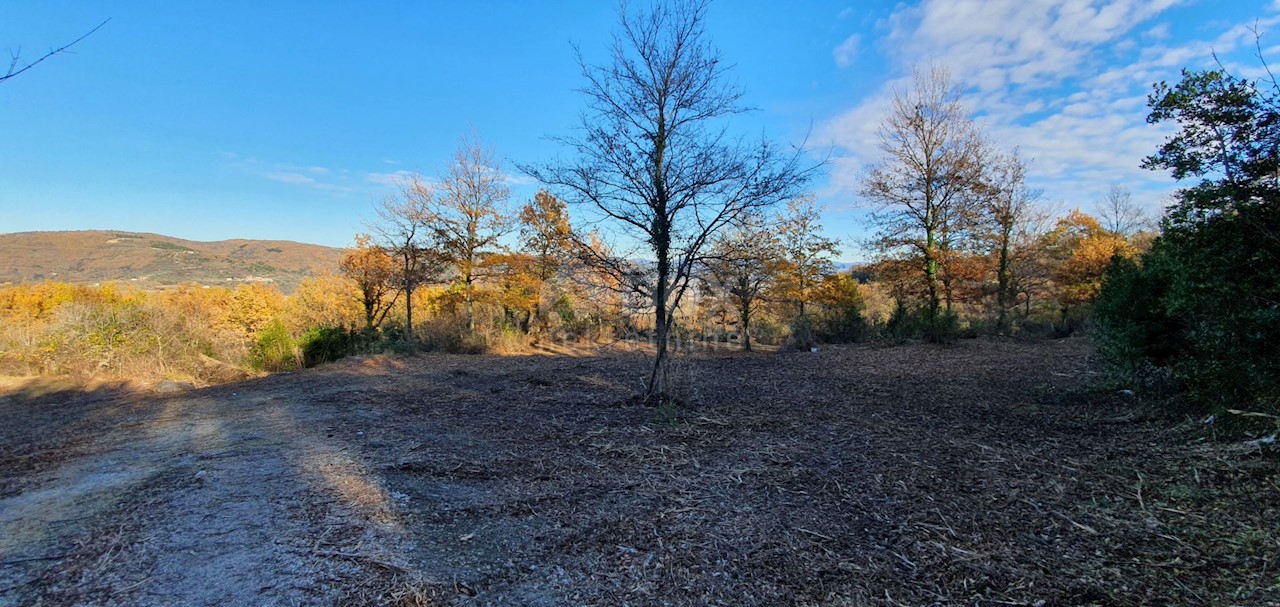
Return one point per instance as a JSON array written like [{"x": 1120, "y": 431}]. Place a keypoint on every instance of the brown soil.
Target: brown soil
[{"x": 984, "y": 473}]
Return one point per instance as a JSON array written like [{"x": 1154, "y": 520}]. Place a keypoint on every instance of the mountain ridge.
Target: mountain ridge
[{"x": 156, "y": 261}]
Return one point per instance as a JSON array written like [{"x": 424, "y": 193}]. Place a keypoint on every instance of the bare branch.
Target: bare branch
[{"x": 14, "y": 70}]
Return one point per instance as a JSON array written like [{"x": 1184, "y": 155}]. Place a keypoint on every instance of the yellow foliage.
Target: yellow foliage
[
  {"x": 251, "y": 307},
  {"x": 328, "y": 300},
  {"x": 36, "y": 302}
]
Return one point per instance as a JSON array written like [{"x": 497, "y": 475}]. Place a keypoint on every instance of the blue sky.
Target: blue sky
[{"x": 280, "y": 120}]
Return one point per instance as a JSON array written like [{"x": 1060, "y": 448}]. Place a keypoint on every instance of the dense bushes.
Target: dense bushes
[
  {"x": 274, "y": 350},
  {"x": 1202, "y": 307},
  {"x": 192, "y": 333}
]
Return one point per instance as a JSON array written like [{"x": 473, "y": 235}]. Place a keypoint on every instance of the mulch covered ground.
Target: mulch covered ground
[{"x": 988, "y": 472}]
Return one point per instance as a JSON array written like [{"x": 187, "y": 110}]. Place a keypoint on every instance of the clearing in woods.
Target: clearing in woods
[{"x": 988, "y": 473}]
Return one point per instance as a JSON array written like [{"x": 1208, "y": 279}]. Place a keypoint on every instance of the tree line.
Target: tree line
[{"x": 682, "y": 232}]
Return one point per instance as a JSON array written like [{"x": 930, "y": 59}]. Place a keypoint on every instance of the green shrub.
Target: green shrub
[
  {"x": 274, "y": 350},
  {"x": 321, "y": 345},
  {"x": 1198, "y": 309},
  {"x": 921, "y": 323},
  {"x": 802, "y": 337},
  {"x": 765, "y": 330}
]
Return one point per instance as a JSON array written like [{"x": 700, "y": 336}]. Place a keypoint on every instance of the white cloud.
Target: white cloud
[
  {"x": 312, "y": 177},
  {"x": 517, "y": 180},
  {"x": 1053, "y": 78},
  {"x": 847, "y": 52},
  {"x": 1159, "y": 32},
  {"x": 289, "y": 177},
  {"x": 392, "y": 179}
]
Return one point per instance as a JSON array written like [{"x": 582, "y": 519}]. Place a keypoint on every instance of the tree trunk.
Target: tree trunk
[
  {"x": 368, "y": 313},
  {"x": 658, "y": 376},
  {"x": 408, "y": 311},
  {"x": 659, "y": 390},
  {"x": 744, "y": 316},
  {"x": 1002, "y": 286},
  {"x": 803, "y": 290},
  {"x": 470, "y": 302},
  {"x": 946, "y": 293},
  {"x": 931, "y": 273}
]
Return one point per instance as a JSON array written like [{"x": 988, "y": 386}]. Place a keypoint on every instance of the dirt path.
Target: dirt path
[
  {"x": 983, "y": 473},
  {"x": 217, "y": 499}
]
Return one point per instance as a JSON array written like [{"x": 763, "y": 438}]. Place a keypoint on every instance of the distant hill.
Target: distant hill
[{"x": 155, "y": 261}]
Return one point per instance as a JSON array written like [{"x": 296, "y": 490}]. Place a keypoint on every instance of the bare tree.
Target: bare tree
[
  {"x": 470, "y": 215},
  {"x": 401, "y": 231},
  {"x": 743, "y": 262},
  {"x": 928, "y": 179},
  {"x": 654, "y": 161},
  {"x": 15, "y": 57},
  {"x": 1009, "y": 206},
  {"x": 1119, "y": 214}
]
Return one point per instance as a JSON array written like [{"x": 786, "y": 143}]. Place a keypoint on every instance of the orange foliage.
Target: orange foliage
[
  {"x": 373, "y": 272},
  {"x": 1080, "y": 251}
]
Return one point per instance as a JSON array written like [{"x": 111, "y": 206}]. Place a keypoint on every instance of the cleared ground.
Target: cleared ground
[{"x": 983, "y": 473}]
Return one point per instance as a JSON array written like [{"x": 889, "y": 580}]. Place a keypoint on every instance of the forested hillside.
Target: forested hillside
[{"x": 153, "y": 260}]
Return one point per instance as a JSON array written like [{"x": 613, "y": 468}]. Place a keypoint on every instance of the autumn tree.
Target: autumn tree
[
  {"x": 927, "y": 182},
  {"x": 840, "y": 308},
  {"x": 373, "y": 270},
  {"x": 1080, "y": 251},
  {"x": 251, "y": 308},
  {"x": 545, "y": 232},
  {"x": 742, "y": 263},
  {"x": 469, "y": 216},
  {"x": 547, "y": 237},
  {"x": 327, "y": 300},
  {"x": 402, "y": 232},
  {"x": 1009, "y": 207},
  {"x": 519, "y": 288},
  {"x": 1029, "y": 267},
  {"x": 805, "y": 254},
  {"x": 654, "y": 161}
]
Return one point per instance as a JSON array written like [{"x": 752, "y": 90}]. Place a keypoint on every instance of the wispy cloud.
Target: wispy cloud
[
  {"x": 392, "y": 179},
  {"x": 847, "y": 52},
  {"x": 289, "y": 177},
  {"x": 1062, "y": 81},
  {"x": 323, "y": 179},
  {"x": 517, "y": 180}
]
